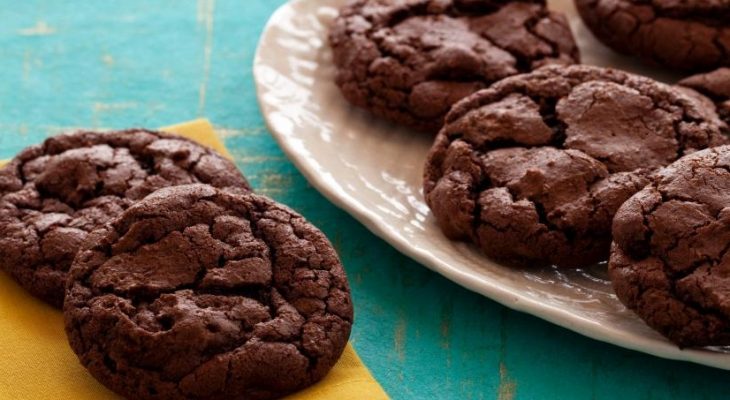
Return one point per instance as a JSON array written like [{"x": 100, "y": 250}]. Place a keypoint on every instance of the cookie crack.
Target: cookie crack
[
  {"x": 530, "y": 24},
  {"x": 257, "y": 232},
  {"x": 369, "y": 31},
  {"x": 475, "y": 193},
  {"x": 249, "y": 290}
]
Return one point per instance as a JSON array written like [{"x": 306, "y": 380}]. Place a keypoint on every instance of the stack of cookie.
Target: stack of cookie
[
  {"x": 176, "y": 280},
  {"x": 537, "y": 161}
]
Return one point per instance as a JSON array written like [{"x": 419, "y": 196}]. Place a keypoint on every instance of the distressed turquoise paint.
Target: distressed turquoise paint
[{"x": 116, "y": 64}]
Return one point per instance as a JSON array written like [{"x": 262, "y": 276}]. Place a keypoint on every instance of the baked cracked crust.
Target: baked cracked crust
[
  {"x": 716, "y": 86},
  {"x": 53, "y": 194},
  {"x": 244, "y": 300},
  {"x": 408, "y": 61},
  {"x": 687, "y": 35},
  {"x": 669, "y": 260},
  {"x": 533, "y": 168}
]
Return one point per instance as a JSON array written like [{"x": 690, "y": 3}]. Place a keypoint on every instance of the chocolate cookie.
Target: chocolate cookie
[
  {"x": 533, "y": 168},
  {"x": 716, "y": 86},
  {"x": 687, "y": 35},
  {"x": 244, "y": 300},
  {"x": 53, "y": 194},
  {"x": 669, "y": 261},
  {"x": 409, "y": 61}
]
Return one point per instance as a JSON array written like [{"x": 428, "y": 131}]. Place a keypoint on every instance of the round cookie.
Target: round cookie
[
  {"x": 53, "y": 194},
  {"x": 245, "y": 299},
  {"x": 716, "y": 86},
  {"x": 533, "y": 168},
  {"x": 409, "y": 61},
  {"x": 687, "y": 35},
  {"x": 669, "y": 260}
]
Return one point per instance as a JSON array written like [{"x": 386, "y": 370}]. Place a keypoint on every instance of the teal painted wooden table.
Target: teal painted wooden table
[{"x": 115, "y": 64}]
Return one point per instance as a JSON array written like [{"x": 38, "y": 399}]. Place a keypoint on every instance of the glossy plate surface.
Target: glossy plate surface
[{"x": 373, "y": 171}]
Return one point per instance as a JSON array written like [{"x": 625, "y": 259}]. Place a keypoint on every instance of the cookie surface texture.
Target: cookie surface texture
[
  {"x": 716, "y": 86},
  {"x": 533, "y": 168},
  {"x": 52, "y": 195},
  {"x": 199, "y": 293},
  {"x": 685, "y": 35},
  {"x": 408, "y": 61},
  {"x": 669, "y": 260}
]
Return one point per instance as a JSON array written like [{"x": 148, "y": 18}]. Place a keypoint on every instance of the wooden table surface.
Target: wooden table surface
[{"x": 116, "y": 64}]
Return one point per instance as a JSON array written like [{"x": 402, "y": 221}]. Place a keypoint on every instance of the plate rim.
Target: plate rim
[{"x": 584, "y": 326}]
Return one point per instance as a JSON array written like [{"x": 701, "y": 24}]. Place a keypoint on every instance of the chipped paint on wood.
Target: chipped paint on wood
[
  {"x": 102, "y": 108},
  {"x": 507, "y": 387},
  {"x": 206, "y": 10},
  {"x": 274, "y": 180},
  {"x": 399, "y": 338},
  {"x": 108, "y": 60},
  {"x": 41, "y": 28},
  {"x": 27, "y": 65},
  {"x": 233, "y": 132},
  {"x": 249, "y": 159},
  {"x": 445, "y": 329}
]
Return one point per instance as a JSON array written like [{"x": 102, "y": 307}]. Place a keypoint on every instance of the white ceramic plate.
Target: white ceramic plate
[{"x": 373, "y": 171}]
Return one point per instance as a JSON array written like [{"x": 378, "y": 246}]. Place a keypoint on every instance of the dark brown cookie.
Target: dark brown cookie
[
  {"x": 198, "y": 293},
  {"x": 669, "y": 260},
  {"x": 53, "y": 194},
  {"x": 533, "y": 168},
  {"x": 409, "y": 61},
  {"x": 716, "y": 86},
  {"x": 687, "y": 35}
]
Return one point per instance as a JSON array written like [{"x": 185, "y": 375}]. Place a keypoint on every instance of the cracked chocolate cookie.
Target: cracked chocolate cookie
[
  {"x": 716, "y": 86},
  {"x": 198, "y": 293},
  {"x": 53, "y": 194},
  {"x": 409, "y": 61},
  {"x": 669, "y": 260},
  {"x": 687, "y": 35},
  {"x": 533, "y": 168}
]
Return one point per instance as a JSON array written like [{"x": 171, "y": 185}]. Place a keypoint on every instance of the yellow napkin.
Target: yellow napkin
[{"x": 36, "y": 362}]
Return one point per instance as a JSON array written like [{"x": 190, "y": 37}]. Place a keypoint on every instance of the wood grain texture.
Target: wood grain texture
[{"x": 116, "y": 64}]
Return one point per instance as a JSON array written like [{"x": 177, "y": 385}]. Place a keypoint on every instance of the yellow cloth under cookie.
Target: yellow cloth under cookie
[{"x": 36, "y": 362}]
